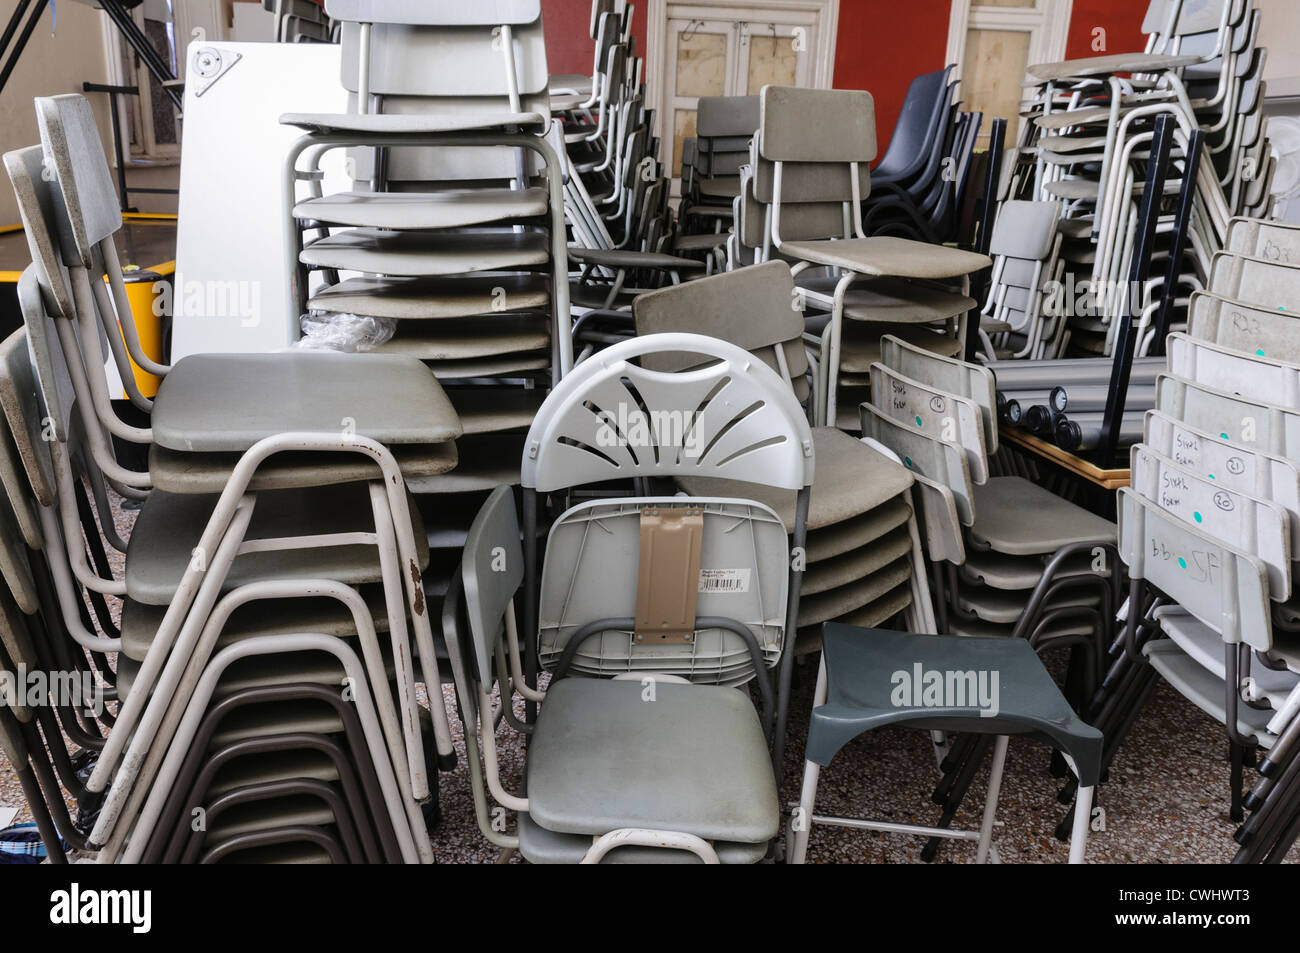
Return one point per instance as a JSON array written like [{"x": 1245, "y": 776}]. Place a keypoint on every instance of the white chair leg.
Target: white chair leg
[
  {"x": 991, "y": 801},
  {"x": 1082, "y": 823},
  {"x": 801, "y": 821}
]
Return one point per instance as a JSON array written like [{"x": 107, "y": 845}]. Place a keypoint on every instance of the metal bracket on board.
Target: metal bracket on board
[{"x": 210, "y": 64}]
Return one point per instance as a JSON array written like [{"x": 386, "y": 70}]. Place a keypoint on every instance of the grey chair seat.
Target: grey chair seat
[
  {"x": 140, "y": 621},
  {"x": 456, "y": 339},
  {"x": 421, "y": 254},
  {"x": 870, "y": 616},
  {"x": 971, "y": 627},
  {"x": 415, "y": 124},
  {"x": 834, "y": 603},
  {"x": 855, "y": 564},
  {"x": 1114, "y": 63},
  {"x": 895, "y": 300},
  {"x": 170, "y": 525},
  {"x": 1003, "y": 608},
  {"x": 15, "y": 567},
  {"x": 452, "y": 208},
  {"x": 1071, "y": 143},
  {"x": 851, "y": 479},
  {"x": 1016, "y": 574},
  {"x": 628, "y": 258},
  {"x": 1064, "y": 118},
  {"x": 861, "y": 665},
  {"x": 276, "y": 766},
  {"x": 1019, "y": 518},
  {"x": 178, "y": 472},
  {"x": 270, "y": 814},
  {"x": 507, "y": 365},
  {"x": 1072, "y": 190},
  {"x": 897, "y": 257},
  {"x": 839, "y": 538},
  {"x": 1205, "y": 690},
  {"x": 720, "y": 187},
  {"x": 492, "y": 409},
  {"x": 566, "y": 101},
  {"x": 694, "y": 762},
  {"x": 436, "y": 297},
  {"x": 860, "y": 346},
  {"x": 227, "y": 402},
  {"x": 703, "y": 242},
  {"x": 487, "y": 461},
  {"x": 1205, "y": 646},
  {"x": 537, "y": 845}
]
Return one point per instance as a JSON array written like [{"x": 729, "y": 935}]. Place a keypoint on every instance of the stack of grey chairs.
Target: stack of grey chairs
[
  {"x": 1010, "y": 558},
  {"x": 1208, "y": 530},
  {"x": 261, "y": 715},
  {"x": 1089, "y": 125},
  {"x": 807, "y": 208},
  {"x": 711, "y": 170},
  {"x": 574, "y": 92},
  {"x": 300, "y": 21},
  {"x": 1024, "y": 311},
  {"x": 453, "y": 234}
]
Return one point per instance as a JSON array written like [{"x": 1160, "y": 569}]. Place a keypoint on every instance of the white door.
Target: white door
[
  {"x": 993, "y": 42},
  {"x": 711, "y": 51}
]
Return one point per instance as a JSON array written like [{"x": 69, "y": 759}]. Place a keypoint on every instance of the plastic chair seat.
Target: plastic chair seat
[
  {"x": 851, "y": 479},
  {"x": 860, "y": 346},
  {"x": 140, "y": 621},
  {"x": 1205, "y": 690},
  {"x": 895, "y": 300},
  {"x": 540, "y": 846},
  {"x": 225, "y": 403},
  {"x": 492, "y": 409},
  {"x": 720, "y": 187},
  {"x": 419, "y": 254},
  {"x": 170, "y": 525},
  {"x": 175, "y": 471},
  {"x": 388, "y": 124},
  {"x": 1114, "y": 63},
  {"x": 412, "y": 210},
  {"x": 834, "y": 603},
  {"x": 1004, "y": 608},
  {"x": 701, "y": 242},
  {"x": 1016, "y": 574},
  {"x": 861, "y": 665},
  {"x": 509, "y": 365},
  {"x": 487, "y": 461},
  {"x": 455, "y": 339},
  {"x": 840, "y": 538},
  {"x": 882, "y": 256},
  {"x": 693, "y": 762},
  {"x": 1019, "y": 518},
  {"x": 870, "y": 616},
  {"x": 1205, "y": 646},
  {"x": 432, "y": 298},
  {"x": 856, "y": 564}
]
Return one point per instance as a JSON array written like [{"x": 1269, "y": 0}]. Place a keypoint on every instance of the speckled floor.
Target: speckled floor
[{"x": 1166, "y": 801}]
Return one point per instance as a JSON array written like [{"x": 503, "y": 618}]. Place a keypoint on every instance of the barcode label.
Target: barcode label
[{"x": 724, "y": 580}]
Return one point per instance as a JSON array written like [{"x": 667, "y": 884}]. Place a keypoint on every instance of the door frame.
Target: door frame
[
  {"x": 657, "y": 30},
  {"x": 1051, "y": 43}
]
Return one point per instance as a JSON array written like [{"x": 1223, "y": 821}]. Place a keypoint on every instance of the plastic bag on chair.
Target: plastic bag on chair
[{"x": 344, "y": 332}]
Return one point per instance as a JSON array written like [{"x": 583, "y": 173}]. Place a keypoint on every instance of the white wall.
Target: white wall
[{"x": 51, "y": 65}]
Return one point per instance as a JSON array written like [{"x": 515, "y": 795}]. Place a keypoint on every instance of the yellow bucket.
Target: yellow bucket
[{"x": 141, "y": 292}]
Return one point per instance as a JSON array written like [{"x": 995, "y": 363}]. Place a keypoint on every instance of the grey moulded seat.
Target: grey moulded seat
[
  {"x": 861, "y": 689},
  {"x": 169, "y": 527},
  {"x": 391, "y": 399},
  {"x": 1020, "y": 518},
  {"x": 700, "y": 766},
  {"x": 420, "y": 253},
  {"x": 885, "y": 256},
  {"x": 541, "y": 846},
  {"x": 433, "y": 297},
  {"x": 417, "y": 210}
]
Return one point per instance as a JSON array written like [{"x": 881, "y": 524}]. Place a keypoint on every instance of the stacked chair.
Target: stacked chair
[
  {"x": 453, "y": 236},
  {"x": 1023, "y": 315},
  {"x": 300, "y": 21},
  {"x": 1011, "y": 559},
  {"x": 616, "y": 193},
  {"x": 807, "y": 179},
  {"x": 1089, "y": 124},
  {"x": 281, "y": 730},
  {"x": 1208, "y": 530},
  {"x": 664, "y": 761},
  {"x": 711, "y": 170}
]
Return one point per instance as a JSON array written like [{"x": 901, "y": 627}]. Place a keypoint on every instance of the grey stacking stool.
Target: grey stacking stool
[{"x": 858, "y": 690}]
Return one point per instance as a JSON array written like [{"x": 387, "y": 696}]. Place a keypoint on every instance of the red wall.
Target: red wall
[{"x": 881, "y": 45}]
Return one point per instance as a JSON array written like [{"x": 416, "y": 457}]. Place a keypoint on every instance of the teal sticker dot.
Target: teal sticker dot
[
  {"x": 1211, "y": 476},
  {"x": 1260, "y": 352},
  {"x": 1182, "y": 563},
  {"x": 907, "y": 461},
  {"x": 918, "y": 421},
  {"x": 1223, "y": 436},
  {"x": 1197, "y": 517}
]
